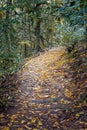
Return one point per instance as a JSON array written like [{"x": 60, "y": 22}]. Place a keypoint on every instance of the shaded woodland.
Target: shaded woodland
[
  {"x": 43, "y": 65},
  {"x": 28, "y": 27}
]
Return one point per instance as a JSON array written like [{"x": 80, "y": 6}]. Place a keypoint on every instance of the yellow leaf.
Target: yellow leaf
[
  {"x": 23, "y": 121},
  {"x": 33, "y": 120},
  {"x": 6, "y": 128},
  {"x": 9, "y": 124},
  {"x": 56, "y": 123},
  {"x": 68, "y": 93},
  {"x": 77, "y": 115},
  {"x": 40, "y": 123},
  {"x": 13, "y": 117},
  {"x": 20, "y": 128},
  {"x": 52, "y": 96},
  {"x": 1, "y": 115},
  {"x": 28, "y": 128},
  {"x": 62, "y": 100},
  {"x": 82, "y": 112},
  {"x": 28, "y": 123}
]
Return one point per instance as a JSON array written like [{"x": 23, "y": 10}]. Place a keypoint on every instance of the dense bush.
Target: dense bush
[
  {"x": 9, "y": 60},
  {"x": 70, "y": 35}
]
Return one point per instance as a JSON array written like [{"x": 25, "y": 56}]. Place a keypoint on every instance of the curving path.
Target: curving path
[{"x": 44, "y": 98}]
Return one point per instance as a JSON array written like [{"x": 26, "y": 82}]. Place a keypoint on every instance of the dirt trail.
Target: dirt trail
[
  {"x": 44, "y": 98},
  {"x": 37, "y": 74}
]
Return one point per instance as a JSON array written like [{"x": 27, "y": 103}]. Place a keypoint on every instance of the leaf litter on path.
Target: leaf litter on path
[{"x": 47, "y": 95}]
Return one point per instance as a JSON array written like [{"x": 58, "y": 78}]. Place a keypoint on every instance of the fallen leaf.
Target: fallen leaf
[
  {"x": 23, "y": 121},
  {"x": 6, "y": 128},
  {"x": 40, "y": 123}
]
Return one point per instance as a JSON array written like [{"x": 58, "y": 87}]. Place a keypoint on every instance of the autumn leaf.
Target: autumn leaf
[
  {"x": 6, "y": 128},
  {"x": 23, "y": 121},
  {"x": 1, "y": 115},
  {"x": 56, "y": 123},
  {"x": 77, "y": 115},
  {"x": 39, "y": 123},
  {"x": 20, "y": 128},
  {"x": 33, "y": 120}
]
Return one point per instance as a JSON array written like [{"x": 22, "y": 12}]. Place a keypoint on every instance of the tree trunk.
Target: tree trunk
[
  {"x": 37, "y": 32},
  {"x": 83, "y": 5},
  {"x": 85, "y": 19},
  {"x": 30, "y": 34},
  {"x": 7, "y": 23}
]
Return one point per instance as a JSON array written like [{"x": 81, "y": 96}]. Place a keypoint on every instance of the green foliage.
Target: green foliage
[
  {"x": 68, "y": 35},
  {"x": 9, "y": 60}
]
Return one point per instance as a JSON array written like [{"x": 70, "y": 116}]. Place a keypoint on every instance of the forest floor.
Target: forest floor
[{"x": 48, "y": 93}]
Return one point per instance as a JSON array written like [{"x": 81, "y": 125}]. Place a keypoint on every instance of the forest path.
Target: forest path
[{"x": 46, "y": 96}]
